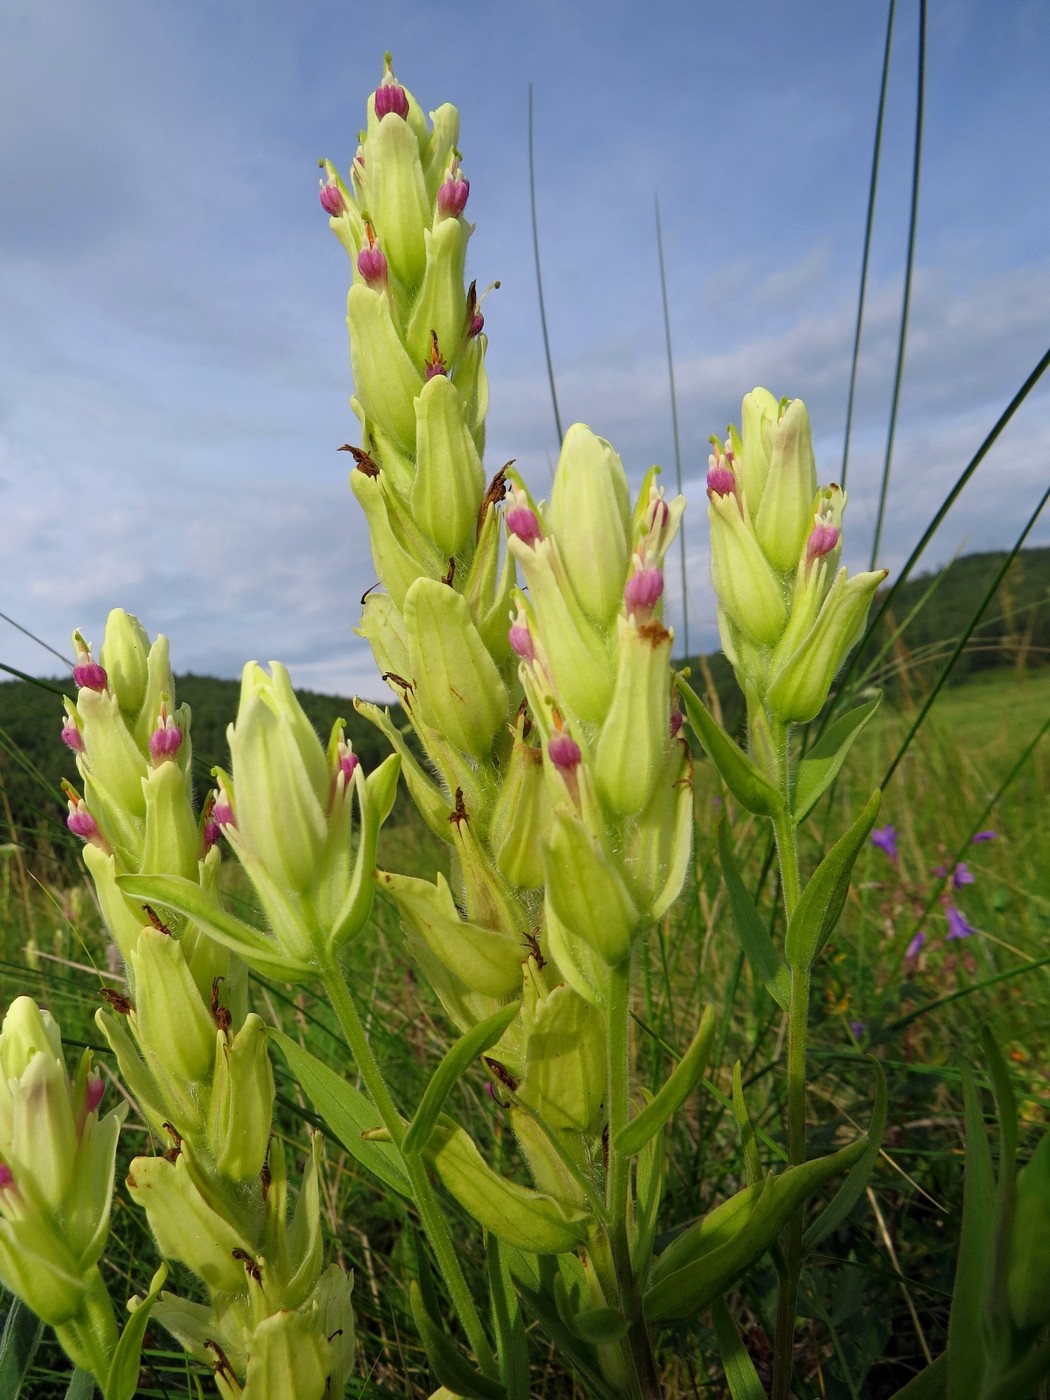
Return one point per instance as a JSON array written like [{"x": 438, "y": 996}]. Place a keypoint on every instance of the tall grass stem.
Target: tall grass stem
[
  {"x": 674, "y": 424},
  {"x": 539, "y": 276},
  {"x": 909, "y": 265},
  {"x": 866, "y": 256}
]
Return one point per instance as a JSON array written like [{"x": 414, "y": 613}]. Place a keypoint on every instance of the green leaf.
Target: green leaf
[
  {"x": 740, "y": 1373},
  {"x": 122, "y": 1383},
  {"x": 818, "y": 770},
  {"x": 966, "y": 1353},
  {"x": 929, "y": 1384},
  {"x": 600, "y": 1326},
  {"x": 448, "y": 1363},
  {"x": 186, "y": 897},
  {"x": 81, "y": 1385},
  {"x": 712, "y": 1253},
  {"x": 751, "y": 931},
  {"x": 749, "y": 1148},
  {"x": 681, "y": 1082},
  {"x": 21, "y": 1337},
  {"x": 511, "y": 1344},
  {"x": 849, "y": 1193},
  {"x": 346, "y": 1111},
  {"x": 454, "y": 1064},
  {"x": 820, "y": 905},
  {"x": 748, "y": 784}
]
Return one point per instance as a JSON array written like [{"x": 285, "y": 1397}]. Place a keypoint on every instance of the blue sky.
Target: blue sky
[{"x": 174, "y": 376}]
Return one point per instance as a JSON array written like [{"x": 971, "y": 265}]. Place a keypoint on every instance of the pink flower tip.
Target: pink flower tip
[
  {"x": 823, "y": 538},
  {"x": 564, "y": 753},
  {"x": 165, "y": 741},
  {"x": 6, "y": 1176},
  {"x": 72, "y": 737},
  {"x": 391, "y": 98},
  {"x": 720, "y": 479},
  {"x": 89, "y": 675},
  {"x": 95, "y": 1089},
  {"x": 372, "y": 265},
  {"x": 643, "y": 590},
  {"x": 81, "y": 823},
  {"x": 452, "y": 196},
  {"x": 522, "y": 523},
  {"x": 477, "y": 325},
  {"x": 521, "y": 638},
  {"x": 348, "y": 762},
  {"x": 332, "y": 201},
  {"x": 677, "y": 720}
]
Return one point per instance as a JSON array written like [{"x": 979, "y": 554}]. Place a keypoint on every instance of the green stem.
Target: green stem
[
  {"x": 798, "y": 1025},
  {"x": 644, "y": 1383},
  {"x": 89, "y": 1338},
  {"x": 431, "y": 1215}
]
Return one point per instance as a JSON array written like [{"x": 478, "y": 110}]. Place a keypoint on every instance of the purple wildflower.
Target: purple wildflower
[
  {"x": 962, "y": 875},
  {"x": 983, "y": 836},
  {"x": 957, "y": 924},
  {"x": 915, "y": 946},
  {"x": 857, "y": 1029},
  {"x": 885, "y": 837}
]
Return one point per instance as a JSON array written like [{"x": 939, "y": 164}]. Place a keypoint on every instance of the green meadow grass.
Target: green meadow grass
[{"x": 878, "y": 1302}]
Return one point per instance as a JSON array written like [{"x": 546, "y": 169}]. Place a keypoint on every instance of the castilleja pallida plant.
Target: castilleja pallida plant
[{"x": 527, "y": 643}]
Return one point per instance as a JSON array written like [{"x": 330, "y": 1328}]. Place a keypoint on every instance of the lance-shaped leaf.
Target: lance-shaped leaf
[
  {"x": 453, "y": 1066},
  {"x": 122, "y": 1383},
  {"x": 820, "y": 904},
  {"x": 748, "y": 784},
  {"x": 820, "y": 767},
  {"x": 740, "y": 1373},
  {"x": 967, "y": 1358},
  {"x": 259, "y": 950},
  {"x": 752, "y": 932},
  {"x": 681, "y": 1082},
  {"x": 346, "y": 1111},
  {"x": 849, "y": 1193},
  {"x": 712, "y": 1253},
  {"x": 449, "y": 1364}
]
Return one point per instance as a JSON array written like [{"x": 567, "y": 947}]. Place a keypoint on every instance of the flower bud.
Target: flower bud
[
  {"x": 390, "y": 96},
  {"x": 784, "y": 516},
  {"x": 634, "y": 737},
  {"x": 586, "y": 890},
  {"x": 751, "y": 449},
  {"x": 589, "y": 515},
  {"x": 241, "y": 1101},
  {"x": 801, "y": 683},
  {"x": 281, "y": 777},
  {"x": 458, "y": 688},
  {"x": 565, "y": 1066},
  {"x": 643, "y": 590},
  {"x": 747, "y": 587},
  {"x": 332, "y": 201},
  {"x": 521, "y": 817},
  {"x": 449, "y": 485}
]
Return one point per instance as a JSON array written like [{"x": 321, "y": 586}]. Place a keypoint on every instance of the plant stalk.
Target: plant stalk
[
  {"x": 435, "y": 1225},
  {"x": 644, "y": 1384}
]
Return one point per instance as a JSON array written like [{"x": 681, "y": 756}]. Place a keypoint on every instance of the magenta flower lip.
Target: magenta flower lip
[
  {"x": 72, "y": 738},
  {"x": 89, "y": 675},
  {"x": 165, "y": 742},
  {"x": 522, "y": 523},
  {"x": 721, "y": 480},
  {"x": 332, "y": 200},
  {"x": 564, "y": 753},
  {"x": 391, "y": 98},
  {"x": 643, "y": 590},
  {"x": 452, "y": 196},
  {"x": 372, "y": 265},
  {"x": 81, "y": 823}
]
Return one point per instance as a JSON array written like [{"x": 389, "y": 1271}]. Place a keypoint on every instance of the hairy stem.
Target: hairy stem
[{"x": 431, "y": 1215}]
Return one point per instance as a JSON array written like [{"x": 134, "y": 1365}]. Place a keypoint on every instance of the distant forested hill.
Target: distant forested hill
[
  {"x": 931, "y": 610},
  {"x": 33, "y": 759}
]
